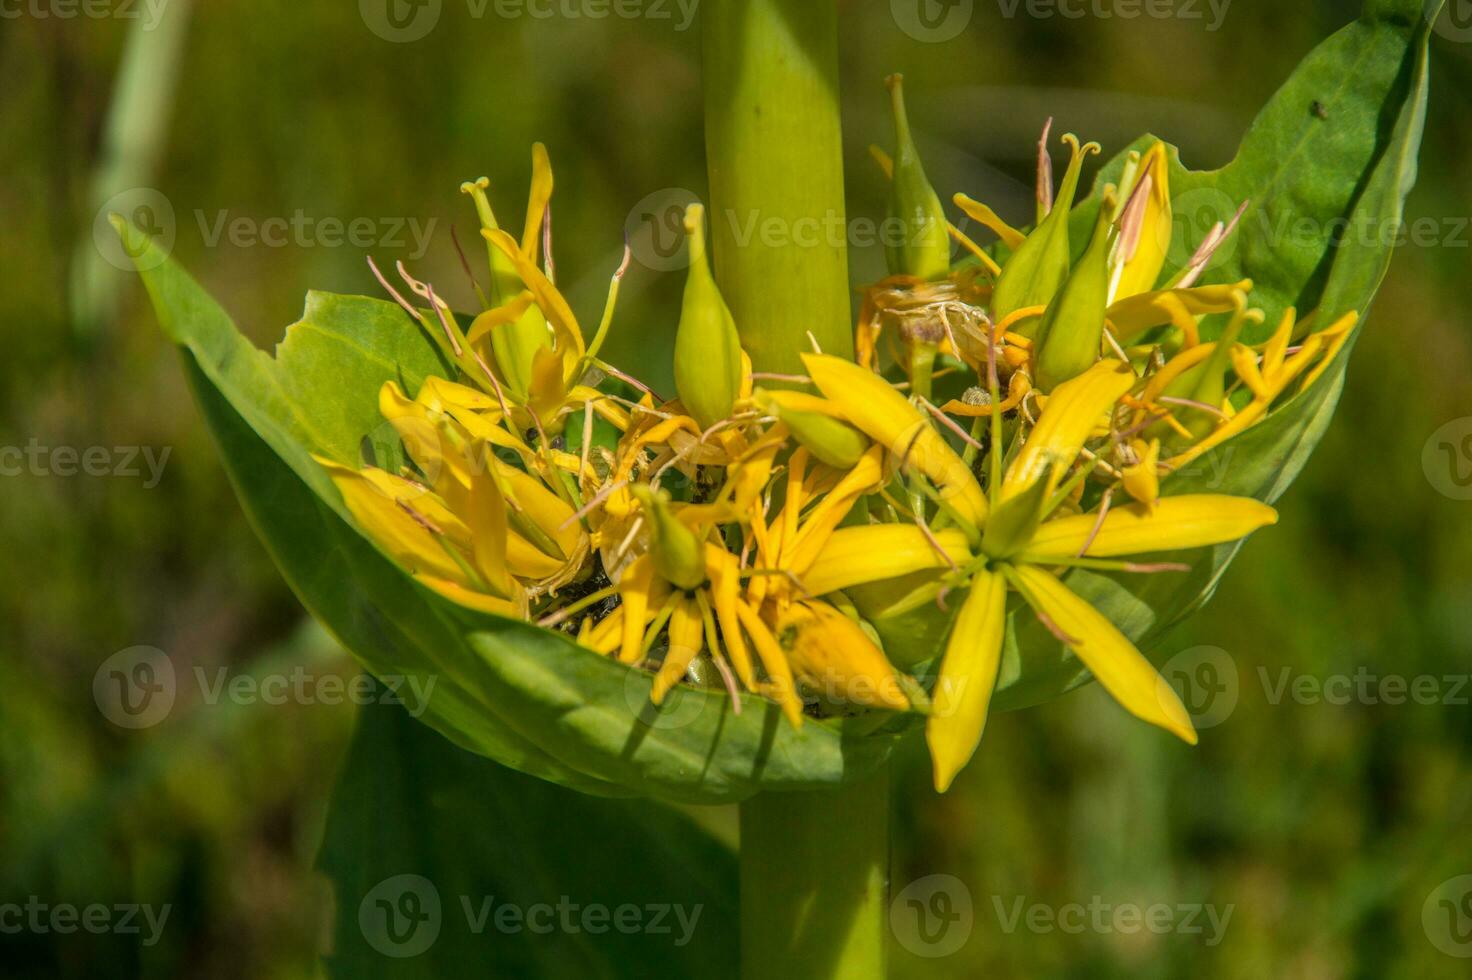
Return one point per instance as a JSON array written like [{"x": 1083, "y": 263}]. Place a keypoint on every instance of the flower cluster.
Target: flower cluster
[{"x": 713, "y": 538}]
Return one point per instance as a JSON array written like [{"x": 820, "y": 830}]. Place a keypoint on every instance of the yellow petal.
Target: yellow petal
[
  {"x": 457, "y": 593},
  {"x": 391, "y": 527},
  {"x": 1187, "y": 521},
  {"x": 1141, "y": 480},
  {"x": 438, "y": 394},
  {"x": 489, "y": 533},
  {"x": 979, "y": 212},
  {"x": 549, "y": 512},
  {"x": 832, "y": 508},
  {"x": 536, "y": 202},
  {"x": 1074, "y": 409},
  {"x": 873, "y": 407},
  {"x": 549, "y": 301},
  {"x": 634, "y": 587},
  {"x": 1116, "y": 664},
  {"x": 489, "y": 321},
  {"x": 870, "y": 553},
  {"x": 779, "y": 672},
  {"x": 968, "y": 674},
  {"x": 686, "y": 636},
  {"x": 1132, "y": 315},
  {"x": 1141, "y": 271},
  {"x": 725, "y": 587},
  {"x": 832, "y": 654}
]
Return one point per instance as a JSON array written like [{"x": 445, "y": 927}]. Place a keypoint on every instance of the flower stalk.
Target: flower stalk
[{"x": 814, "y": 867}]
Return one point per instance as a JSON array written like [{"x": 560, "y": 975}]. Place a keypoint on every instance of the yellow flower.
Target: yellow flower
[{"x": 1022, "y": 558}]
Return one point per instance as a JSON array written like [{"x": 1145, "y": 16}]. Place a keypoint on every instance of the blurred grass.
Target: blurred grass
[{"x": 1325, "y": 827}]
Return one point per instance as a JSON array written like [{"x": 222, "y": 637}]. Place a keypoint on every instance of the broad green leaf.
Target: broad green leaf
[
  {"x": 444, "y": 864},
  {"x": 528, "y": 698}
]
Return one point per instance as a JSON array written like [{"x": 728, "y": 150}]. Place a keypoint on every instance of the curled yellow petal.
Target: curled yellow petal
[
  {"x": 537, "y": 199},
  {"x": 1187, "y": 521},
  {"x": 979, "y": 212},
  {"x": 1116, "y": 664},
  {"x": 1134, "y": 314},
  {"x": 968, "y": 675},
  {"x": 490, "y": 533}
]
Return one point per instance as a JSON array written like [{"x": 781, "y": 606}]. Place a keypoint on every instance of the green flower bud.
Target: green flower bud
[
  {"x": 1032, "y": 275},
  {"x": 677, "y": 554},
  {"x": 1072, "y": 329},
  {"x": 829, "y": 439},
  {"x": 924, "y": 250},
  {"x": 707, "y": 347}
]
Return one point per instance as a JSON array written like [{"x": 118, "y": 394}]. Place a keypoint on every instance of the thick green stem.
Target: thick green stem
[
  {"x": 814, "y": 883},
  {"x": 814, "y": 866},
  {"x": 773, "y": 150}
]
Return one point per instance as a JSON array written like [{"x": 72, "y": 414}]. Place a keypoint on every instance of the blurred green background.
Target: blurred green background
[{"x": 1324, "y": 828}]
